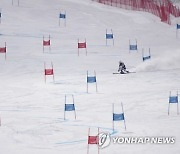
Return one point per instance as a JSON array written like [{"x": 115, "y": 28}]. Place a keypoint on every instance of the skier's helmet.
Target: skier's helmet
[{"x": 120, "y": 62}]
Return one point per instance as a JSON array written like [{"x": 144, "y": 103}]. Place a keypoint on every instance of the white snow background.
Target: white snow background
[{"x": 32, "y": 112}]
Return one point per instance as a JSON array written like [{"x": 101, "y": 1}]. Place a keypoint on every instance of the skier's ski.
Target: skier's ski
[{"x": 123, "y": 73}]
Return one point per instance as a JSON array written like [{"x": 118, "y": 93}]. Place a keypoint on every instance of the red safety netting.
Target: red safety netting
[{"x": 162, "y": 9}]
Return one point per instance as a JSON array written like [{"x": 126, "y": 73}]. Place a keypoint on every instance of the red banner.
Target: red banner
[
  {"x": 3, "y": 50},
  {"x": 82, "y": 45},
  {"x": 48, "y": 71},
  {"x": 93, "y": 140},
  {"x": 46, "y": 43}
]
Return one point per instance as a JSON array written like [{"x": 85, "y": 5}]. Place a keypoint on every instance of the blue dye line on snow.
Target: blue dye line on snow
[
  {"x": 85, "y": 140},
  {"x": 72, "y": 142}
]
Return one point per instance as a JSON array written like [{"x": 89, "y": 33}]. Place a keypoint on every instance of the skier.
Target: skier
[{"x": 122, "y": 68}]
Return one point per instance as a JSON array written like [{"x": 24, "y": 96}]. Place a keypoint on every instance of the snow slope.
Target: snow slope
[{"x": 32, "y": 112}]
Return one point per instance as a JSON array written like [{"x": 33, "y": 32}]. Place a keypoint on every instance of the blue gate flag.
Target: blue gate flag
[
  {"x": 118, "y": 117},
  {"x": 173, "y": 99},
  {"x": 109, "y": 36},
  {"x": 178, "y": 26},
  {"x": 69, "y": 107},
  {"x": 62, "y": 16},
  {"x": 133, "y": 47},
  {"x": 147, "y": 57},
  {"x": 0, "y": 14},
  {"x": 91, "y": 79}
]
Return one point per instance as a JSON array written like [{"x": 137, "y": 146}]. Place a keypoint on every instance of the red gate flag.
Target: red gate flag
[
  {"x": 93, "y": 140},
  {"x": 3, "y": 50},
  {"x": 46, "y": 43},
  {"x": 82, "y": 45},
  {"x": 48, "y": 71}
]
